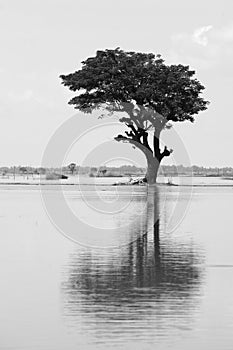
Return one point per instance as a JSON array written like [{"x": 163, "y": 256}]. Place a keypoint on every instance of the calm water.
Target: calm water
[{"x": 164, "y": 284}]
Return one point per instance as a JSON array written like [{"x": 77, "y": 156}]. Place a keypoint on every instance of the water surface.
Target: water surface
[{"x": 162, "y": 287}]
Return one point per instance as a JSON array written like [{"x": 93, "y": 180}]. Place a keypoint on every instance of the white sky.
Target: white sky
[{"x": 40, "y": 40}]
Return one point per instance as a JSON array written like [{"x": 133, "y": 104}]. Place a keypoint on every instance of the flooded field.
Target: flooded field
[{"x": 159, "y": 273}]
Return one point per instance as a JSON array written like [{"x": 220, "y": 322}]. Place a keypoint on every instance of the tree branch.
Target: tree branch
[
  {"x": 131, "y": 126},
  {"x": 166, "y": 153},
  {"x": 157, "y": 153},
  {"x": 147, "y": 151},
  {"x": 144, "y": 135}
]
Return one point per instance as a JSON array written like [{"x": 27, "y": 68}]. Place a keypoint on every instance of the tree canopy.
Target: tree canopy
[{"x": 116, "y": 77}]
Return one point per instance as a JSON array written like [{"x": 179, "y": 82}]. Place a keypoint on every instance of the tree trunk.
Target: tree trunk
[
  {"x": 152, "y": 170},
  {"x": 153, "y": 160}
]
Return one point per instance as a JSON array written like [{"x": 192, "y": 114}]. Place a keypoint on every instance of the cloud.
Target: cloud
[
  {"x": 199, "y": 36},
  {"x": 204, "y": 47}
]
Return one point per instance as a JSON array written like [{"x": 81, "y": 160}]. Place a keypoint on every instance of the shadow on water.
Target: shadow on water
[{"x": 144, "y": 290}]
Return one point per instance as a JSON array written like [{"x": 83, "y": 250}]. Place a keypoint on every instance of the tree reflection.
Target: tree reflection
[{"x": 156, "y": 277}]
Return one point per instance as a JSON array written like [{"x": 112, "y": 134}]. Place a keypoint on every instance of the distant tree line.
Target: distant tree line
[{"x": 124, "y": 170}]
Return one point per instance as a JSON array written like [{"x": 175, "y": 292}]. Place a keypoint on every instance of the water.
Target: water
[{"x": 163, "y": 286}]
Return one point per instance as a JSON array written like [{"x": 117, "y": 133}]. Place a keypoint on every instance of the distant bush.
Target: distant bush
[{"x": 54, "y": 176}]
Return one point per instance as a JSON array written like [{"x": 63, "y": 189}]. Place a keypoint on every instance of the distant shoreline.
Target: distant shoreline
[{"x": 2, "y": 184}]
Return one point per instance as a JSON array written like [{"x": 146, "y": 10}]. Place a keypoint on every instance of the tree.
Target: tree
[
  {"x": 72, "y": 167},
  {"x": 102, "y": 171},
  {"x": 23, "y": 169},
  {"x": 150, "y": 93}
]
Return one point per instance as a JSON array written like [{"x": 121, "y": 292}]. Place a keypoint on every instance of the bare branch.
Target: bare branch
[
  {"x": 166, "y": 153},
  {"x": 148, "y": 153}
]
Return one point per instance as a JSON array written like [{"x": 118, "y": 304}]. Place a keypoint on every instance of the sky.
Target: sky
[{"x": 40, "y": 40}]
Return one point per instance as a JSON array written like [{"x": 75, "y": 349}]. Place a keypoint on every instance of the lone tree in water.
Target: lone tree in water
[{"x": 150, "y": 93}]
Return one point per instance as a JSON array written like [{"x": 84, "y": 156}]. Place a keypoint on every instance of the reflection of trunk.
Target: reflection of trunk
[
  {"x": 157, "y": 256},
  {"x": 152, "y": 216}
]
